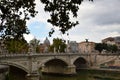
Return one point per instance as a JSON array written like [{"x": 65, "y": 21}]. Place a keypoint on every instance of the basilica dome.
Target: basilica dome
[{"x": 46, "y": 41}]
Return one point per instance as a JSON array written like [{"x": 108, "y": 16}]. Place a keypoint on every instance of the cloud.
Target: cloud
[
  {"x": 113, "y": 34},
  {"x": 28, "y": 37},
  {"x": 107, "y": 12},
  {"x": 98, "y": 20}
]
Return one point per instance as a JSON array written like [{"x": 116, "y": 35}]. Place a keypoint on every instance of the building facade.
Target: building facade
[
  {"x": 44, "y": 47},
  {"x": 117, "y": 42},
  {"x": 72, "y": 46},
  {"x": 109, "y": 40},
  {"x": 112, "y": 41},
  {"x": 86, "y": 47}
]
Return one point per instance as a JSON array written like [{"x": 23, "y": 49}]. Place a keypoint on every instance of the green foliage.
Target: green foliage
[
  {"x": 15, "y": 13},
  {"x": 98, "y": 47},
  {"x": 102, "y": 46},
  {"x": 58, "y": 44},
  {"x": 35, "y": 43},
  {"x": 16, "y": 46},
  {"x": 60, "y": 13},
  {"x": 112, "y": 48},
  {"x": 13, "y": 16},
  {"x": 51, "y": 48}
]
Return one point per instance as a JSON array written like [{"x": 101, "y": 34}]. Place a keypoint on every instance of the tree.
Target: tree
[
  {"x": 35, "y": 44},
  {"x": 107, "y": 47},
  {"x": 16, "y": 46},
  {"x": 115, "y": 48},
  {"x": 58, "y": 44},
  {"x": 99, "y": 47},
  {"x": 13, "y": 16},
  {"x": 60, "y": 13},
  {"x": 112, "y": 48},
  {"x": 14, "y": 13}
]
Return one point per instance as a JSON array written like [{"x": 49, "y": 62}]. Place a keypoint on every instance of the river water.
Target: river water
[
  {"x": 85, "y": 75},
  {"x": 16, "y": 74},
  {"x": 81, "y": 75}
]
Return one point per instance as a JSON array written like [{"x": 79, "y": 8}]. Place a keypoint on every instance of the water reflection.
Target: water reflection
[{"x": 81, "y": 75}]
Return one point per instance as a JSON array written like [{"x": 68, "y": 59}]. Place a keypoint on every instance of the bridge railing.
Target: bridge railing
[
  {"x": 48, "y": 54},
  {"x": 39, "y": 54},
  {"x": 12, "y": 55}
]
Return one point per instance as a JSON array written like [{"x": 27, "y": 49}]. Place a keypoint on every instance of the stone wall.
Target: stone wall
[{"x": 3, "y": 72}]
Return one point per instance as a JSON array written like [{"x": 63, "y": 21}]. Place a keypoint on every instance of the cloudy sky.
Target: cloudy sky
[{"x": 97, "y": 20}]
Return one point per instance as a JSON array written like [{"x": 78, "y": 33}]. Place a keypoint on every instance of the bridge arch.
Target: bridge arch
[
  {"x": 49, "y": 59},
  {"x": 15, "y": 65},
  {"x": 80, "y": 62},
  {"x": 56, "y": 61},
  {"x": 55, "y": 66}
]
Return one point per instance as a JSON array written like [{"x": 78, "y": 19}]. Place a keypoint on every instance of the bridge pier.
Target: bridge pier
[
  {"x": 33, "y": 76},
  {"x": 71, "y": 70}
]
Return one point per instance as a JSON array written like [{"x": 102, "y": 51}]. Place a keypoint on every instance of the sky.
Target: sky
[{"x": 97, "y": 20}]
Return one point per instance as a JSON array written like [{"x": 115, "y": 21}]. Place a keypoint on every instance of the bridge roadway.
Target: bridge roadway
[{"x": 62, "y": 63}]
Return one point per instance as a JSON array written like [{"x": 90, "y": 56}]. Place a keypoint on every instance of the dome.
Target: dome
[{"x": 46, "y": 41}]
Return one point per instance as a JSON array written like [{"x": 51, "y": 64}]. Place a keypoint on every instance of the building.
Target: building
[
  {"x": 117, "y": 42},
  {"x": 41, "y": 48},
  {"x": 72, "y": 46},
  {"x": 109, "y": 40},
  {"x": 86, "y": 47},
  {"x": 112, "y": 41},
  {"x": 44, "y": 47}
]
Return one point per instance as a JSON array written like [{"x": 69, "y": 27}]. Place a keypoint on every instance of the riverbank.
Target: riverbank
[{"x": 112, "y": 74}]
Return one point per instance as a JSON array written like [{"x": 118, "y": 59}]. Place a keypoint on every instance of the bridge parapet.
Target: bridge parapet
[{"x": 41, "y": 54}]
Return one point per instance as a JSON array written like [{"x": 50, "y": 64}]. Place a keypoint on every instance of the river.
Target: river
[
  {"x": 86, "y": 75},
  {"x": 81, "y": 75}
]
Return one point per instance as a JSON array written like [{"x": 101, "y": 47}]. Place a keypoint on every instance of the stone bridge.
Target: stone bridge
[{"x": 62, "y": 63}]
